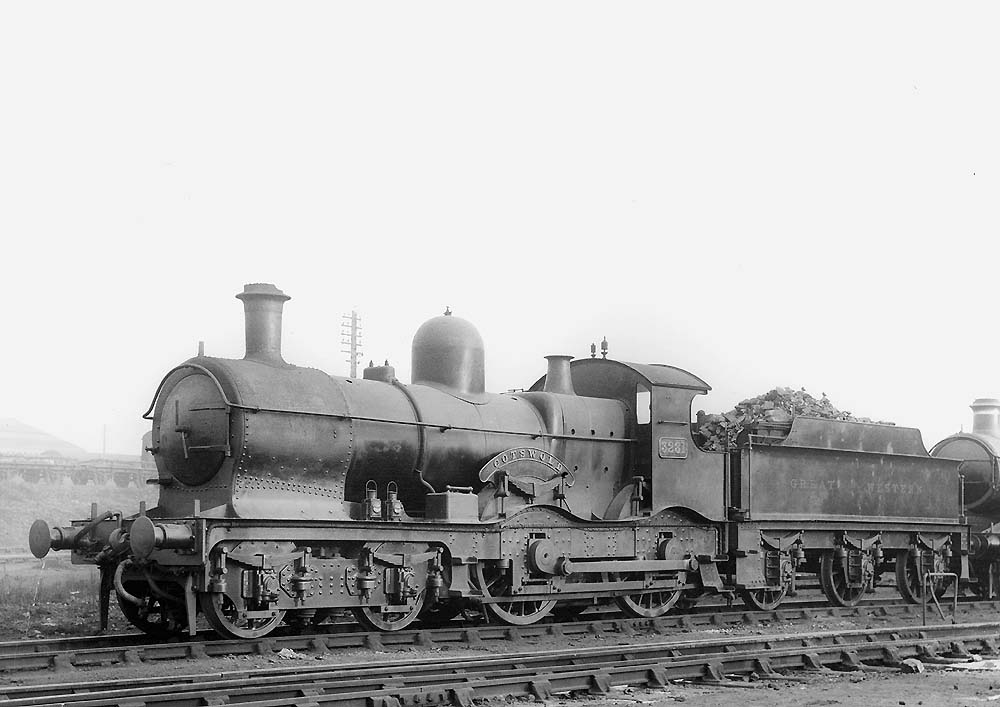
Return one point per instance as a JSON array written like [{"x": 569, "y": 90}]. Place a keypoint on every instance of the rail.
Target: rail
[
  {"x": 438, "y": 680},
  {"x": 68, "y": 653}
]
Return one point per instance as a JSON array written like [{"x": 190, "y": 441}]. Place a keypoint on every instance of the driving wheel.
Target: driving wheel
[
  {"x": 494, "y": 582},
  {"x": 649, "y": 605}
]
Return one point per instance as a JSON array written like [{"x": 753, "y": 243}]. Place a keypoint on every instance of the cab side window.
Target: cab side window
[
  {"x": 643, "y": 399},
  {"x": 642, "y": 459}
]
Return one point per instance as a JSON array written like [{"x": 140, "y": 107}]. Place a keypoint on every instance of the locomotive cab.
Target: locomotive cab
[{"x": 658, "y": 398}]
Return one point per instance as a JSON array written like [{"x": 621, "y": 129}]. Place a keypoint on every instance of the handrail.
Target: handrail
[
  {"x": 147, "y": 415},
  {"x": 927, "y": 587},
  {"x": 362, "y": 418}
]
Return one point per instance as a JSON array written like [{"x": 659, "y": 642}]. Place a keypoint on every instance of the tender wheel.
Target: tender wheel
[
  {"x": 768, "y": 598},
  {"x": 156, "y": 616},
  {"x": 495, "y": 583},
  {"x": 224, "y": 616},
  {"x": 763, "y": 599},
  {"x": 908, "y": 578},
  {"x": 650, "y": 605},
  {"x": 834, "y": 583},
  {"x": 375, "y": 619}
]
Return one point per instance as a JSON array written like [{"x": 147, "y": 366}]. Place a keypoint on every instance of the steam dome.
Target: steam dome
[{"x": 448, "y": 354}]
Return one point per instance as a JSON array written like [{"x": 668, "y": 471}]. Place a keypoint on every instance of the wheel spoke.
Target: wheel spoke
[
  {"x": 835, "y": 584},
  {"x": 909, "y": 570},
  {"x": 648, "y": 605},
  {"x": 494, "y": 584},
  {"x": 223, "y": 615}
]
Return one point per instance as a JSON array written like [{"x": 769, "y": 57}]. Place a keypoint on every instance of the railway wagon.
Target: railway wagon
[{"x": 287, "y": 494}]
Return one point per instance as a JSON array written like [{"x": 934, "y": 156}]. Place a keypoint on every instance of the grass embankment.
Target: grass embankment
[
  {"x": 48, "y": 597},
  {"x": 21, "y": 503},
  {"x": 52, "y": 597}
]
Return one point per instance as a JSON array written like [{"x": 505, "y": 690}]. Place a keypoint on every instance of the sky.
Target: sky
[{"x": 764, "y": 194}]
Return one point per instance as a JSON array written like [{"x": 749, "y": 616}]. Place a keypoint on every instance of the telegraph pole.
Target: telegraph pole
[{"x": 350, "y": 332}]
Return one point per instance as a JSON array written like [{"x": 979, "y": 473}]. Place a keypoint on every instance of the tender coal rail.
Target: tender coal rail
[
  {"x": 82, "y": 655},
  {"x": 540, "y": 674}
]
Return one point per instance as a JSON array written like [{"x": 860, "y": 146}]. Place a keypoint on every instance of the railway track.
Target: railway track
[
  {"x": 440, "y": 681},
  {"x": 69, "y": 653}
]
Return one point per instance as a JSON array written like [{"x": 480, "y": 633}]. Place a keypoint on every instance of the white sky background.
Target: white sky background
[{"x": 764, "y": 194}]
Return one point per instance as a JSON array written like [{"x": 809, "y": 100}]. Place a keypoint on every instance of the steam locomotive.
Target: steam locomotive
[{"x": 286, "y": 494}]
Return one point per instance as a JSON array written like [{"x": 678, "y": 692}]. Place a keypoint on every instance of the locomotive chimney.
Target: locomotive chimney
[
  {"x": 262, "y": 305},
  {"x": 986, "y": 416},
  {"x": 558, "y": 378}
]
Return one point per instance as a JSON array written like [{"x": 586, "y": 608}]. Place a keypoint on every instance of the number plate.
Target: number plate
[{"x": 673, "y": 448}]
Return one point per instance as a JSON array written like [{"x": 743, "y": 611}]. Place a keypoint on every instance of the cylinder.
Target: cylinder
[{"x": 262, "y": 307}]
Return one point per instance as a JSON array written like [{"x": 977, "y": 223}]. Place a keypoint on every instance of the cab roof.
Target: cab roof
[{"x": 653, "y": 374}]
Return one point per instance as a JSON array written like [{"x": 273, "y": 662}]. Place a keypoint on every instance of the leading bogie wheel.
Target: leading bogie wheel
[
  {"x": 157, "y": 616},
  {"x": 228, "y": 619}
]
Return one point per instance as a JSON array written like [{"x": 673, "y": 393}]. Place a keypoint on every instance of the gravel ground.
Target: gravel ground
[
  {"x": 870, "y": 689},
  {"x": 51, "y": 598}
]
